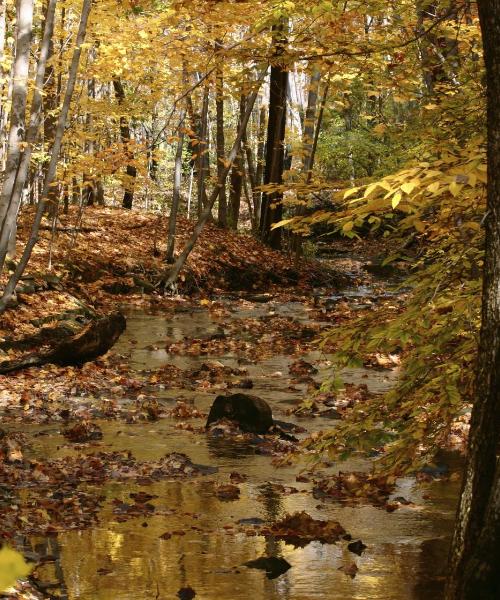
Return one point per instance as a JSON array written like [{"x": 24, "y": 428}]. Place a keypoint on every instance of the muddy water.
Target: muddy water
[{"x": 405, "y": 551}]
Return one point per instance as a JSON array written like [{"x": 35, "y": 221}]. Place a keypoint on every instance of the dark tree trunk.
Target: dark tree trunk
[
  {"x": 475, "y": 555},
  {"x": 99, "y": 192},
  {"x": 272, "y": 209},
  {"x": 130, "y": 171}
]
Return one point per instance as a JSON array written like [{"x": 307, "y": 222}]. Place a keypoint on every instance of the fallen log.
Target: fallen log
[{"x": 94, "y": 340}]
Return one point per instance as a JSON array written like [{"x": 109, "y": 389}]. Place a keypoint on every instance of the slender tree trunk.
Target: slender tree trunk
[
  {"x": 50, "y": 104},
  {"x": 259, "y": 171},
  {"x": 130, "y": 170},
  {"x": 176, "y": 195},
  {"x": 54, "y": 157},
  {"x": 474, "y": 570},
  {"x": 89, "y": 187},
  {"x": 237, "y": 177},
  {"x": 173, "y": 273},
  {"x": 3, "y": 80},
  {"x": 17, "y": 131},
  {"x": 219, "y": 137},
  {"x": 202, "y": 150},
  {"x": 272, "y": 208}
]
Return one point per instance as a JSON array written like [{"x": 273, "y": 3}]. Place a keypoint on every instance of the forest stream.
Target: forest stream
[{"x": 187, "y": 538}]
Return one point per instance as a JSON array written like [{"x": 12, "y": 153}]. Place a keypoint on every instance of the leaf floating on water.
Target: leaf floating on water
[{"x": 356, "y": 547}]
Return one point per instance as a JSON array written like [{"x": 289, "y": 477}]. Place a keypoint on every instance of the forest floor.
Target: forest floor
[{"x": 250, "y": 303}]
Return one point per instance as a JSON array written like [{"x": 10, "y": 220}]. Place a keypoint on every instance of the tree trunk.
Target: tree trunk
[
  {"x": 474, "y": 570},
  {"x": 130, "y": 171},
  {"x": 50, "y": 104},
  {"x": 259, "y": 171},
  {"x": 89, "y": 188},
  {"x": 16, "y": 186},
  {"x": 3, "y": 82},
  {"x": 54, "y": 157},
  {"x": 201, "y": 152},
  {"x": 220, "y": 141},
  {"x": 17, "y": 131},
  {"x": 272, "y": 209},
  {"x": 237, "y": 177},
  {"x": 176, "y": 194}
]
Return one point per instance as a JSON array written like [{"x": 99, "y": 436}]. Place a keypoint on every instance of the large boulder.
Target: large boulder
[{"x": 252, "y": 414}]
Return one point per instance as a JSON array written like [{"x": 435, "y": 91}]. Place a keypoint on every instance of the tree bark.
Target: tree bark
[
  {"x": 474, "y": 570},
  {"x": 54, "y": 157},
  {"x": 272, "y": 209},
  {"x": 130, "y": 170}
]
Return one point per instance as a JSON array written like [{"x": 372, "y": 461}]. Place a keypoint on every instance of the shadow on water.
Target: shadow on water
[{"x": 134, "y": 560}]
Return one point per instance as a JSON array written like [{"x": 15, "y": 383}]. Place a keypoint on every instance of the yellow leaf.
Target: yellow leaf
[
  {"x": 350, "y": 192},
  {"x": 408, "y": 187},
  {"x": 396, "y": 199},
  {"x": 282, "y": 223},
  {"x": 12, "y": 567},
  {"x": 348, "y": 226},
  {"x": 371, "y": 188}
]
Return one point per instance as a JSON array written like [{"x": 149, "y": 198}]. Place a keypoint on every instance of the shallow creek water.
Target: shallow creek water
[{"x": 405, "y": 551}]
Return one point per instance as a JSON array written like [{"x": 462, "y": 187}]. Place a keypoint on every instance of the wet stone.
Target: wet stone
[{"x": 252, "y": 414}]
